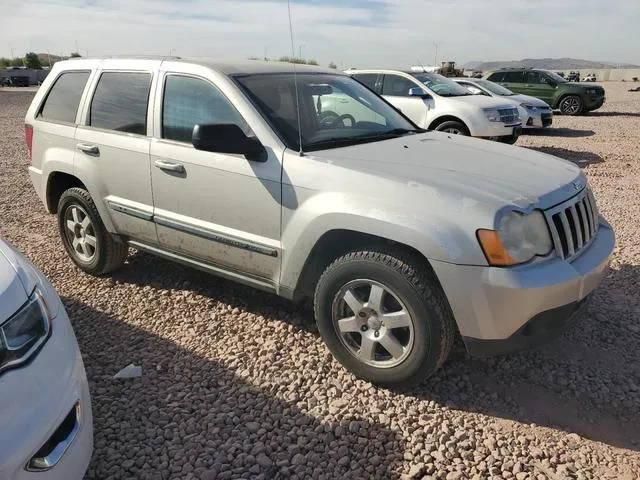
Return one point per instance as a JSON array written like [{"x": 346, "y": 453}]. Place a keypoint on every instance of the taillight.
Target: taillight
[{"x": 28, "y": 136}]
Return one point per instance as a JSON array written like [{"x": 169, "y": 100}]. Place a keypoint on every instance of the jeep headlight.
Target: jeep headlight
[
  {"x": 592, "y": 91},
  {"x": 518, "y": 239},
  {"x": 492, "y": 114}
]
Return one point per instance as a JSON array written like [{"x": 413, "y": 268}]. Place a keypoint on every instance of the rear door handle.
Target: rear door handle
[
  {"x": 169, "y": 167},
  {"x": 92, "y": 150}
]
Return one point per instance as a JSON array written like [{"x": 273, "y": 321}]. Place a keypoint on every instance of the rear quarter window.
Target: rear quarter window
[
  {"x": 120, "y": 102},
  {"x": 62, "y": 101}
]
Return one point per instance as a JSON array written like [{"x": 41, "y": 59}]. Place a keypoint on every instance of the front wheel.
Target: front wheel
[
  {"x": 571, "y": 105},
  {"x": 384, "y": 317},
  {"x": 85, "y": 237},
  {"x": 453, "y": 127}
]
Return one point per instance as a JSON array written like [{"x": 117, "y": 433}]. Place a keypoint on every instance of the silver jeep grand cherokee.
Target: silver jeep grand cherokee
[{"x": 311, "y": 185}]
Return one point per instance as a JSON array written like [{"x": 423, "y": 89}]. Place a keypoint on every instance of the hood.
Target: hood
[
  {"x": 481, "y": 101},
  {"x": 445, "y": 165},
  {"x": 13, "y": 283},
  {"x": 536, "y": 102}
]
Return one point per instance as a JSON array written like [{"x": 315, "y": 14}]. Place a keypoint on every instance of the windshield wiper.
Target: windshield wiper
[{"x": 368, "y": 137}]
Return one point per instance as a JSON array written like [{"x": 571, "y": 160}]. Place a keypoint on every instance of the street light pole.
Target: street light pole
[{"x": 300, "y": 50}]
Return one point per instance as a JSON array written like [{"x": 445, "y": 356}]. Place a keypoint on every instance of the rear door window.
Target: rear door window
[
  {"x": 120, "y": 102},
  {"x": 61, "y": 104}
]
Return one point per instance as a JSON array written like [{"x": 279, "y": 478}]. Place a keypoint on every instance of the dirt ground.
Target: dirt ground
[{"x": 237, "y": 383}]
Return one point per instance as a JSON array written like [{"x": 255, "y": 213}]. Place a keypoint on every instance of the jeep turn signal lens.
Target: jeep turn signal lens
[{"x": 493, "y": 249}]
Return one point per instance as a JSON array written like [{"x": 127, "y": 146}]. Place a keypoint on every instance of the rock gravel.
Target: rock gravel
[{"x": 237, "y": 383}]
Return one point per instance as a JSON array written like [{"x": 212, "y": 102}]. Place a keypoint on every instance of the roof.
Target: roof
[{"x": 227, "y": 66}]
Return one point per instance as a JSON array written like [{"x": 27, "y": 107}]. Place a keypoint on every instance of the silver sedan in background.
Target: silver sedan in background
[
  {"x": 534, "y": 113},
  {"x": 46, "y": 425}
]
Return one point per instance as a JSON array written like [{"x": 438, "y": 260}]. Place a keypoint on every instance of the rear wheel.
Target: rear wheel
[
  {"x": 454, "y": 127},
  {"x": 85, "y": 237},
  {"x": 571, "y": 105},
  {"x": 384, "y": 317}
]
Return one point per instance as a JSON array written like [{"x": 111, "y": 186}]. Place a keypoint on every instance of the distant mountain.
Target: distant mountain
[{"x": 549, "y": 63}]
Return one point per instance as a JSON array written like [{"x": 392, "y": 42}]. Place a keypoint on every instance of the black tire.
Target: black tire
[
  {"x": 511, "y": 140},
  {"x": 571, "y": 105},
  {"x": 453, "y": 126},
  {"x": 412, "y": 281},
  {"x": 108, "y": 254}
]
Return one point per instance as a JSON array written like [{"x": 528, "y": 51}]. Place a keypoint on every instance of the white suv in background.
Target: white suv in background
[{"x": 434, "y": 102}]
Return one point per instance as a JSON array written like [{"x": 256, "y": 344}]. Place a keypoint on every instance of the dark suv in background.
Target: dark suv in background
[{"x": 568, "y": 97}]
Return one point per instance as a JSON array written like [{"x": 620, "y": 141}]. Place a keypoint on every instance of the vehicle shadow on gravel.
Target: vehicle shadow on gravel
[
  {"x": 614, "y": 114},
  {"x": 581, "y": 159},
  {"x": 572, "y": 384},
  {"x": 559, "y": 132},
  {"x": 191, "y": 417},
  {"x": 585, "y": 382}
]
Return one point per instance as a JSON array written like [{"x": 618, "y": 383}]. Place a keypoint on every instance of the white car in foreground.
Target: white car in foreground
[
  {"x": 46, "y": 425},
  {"x": 435, "y": 102},
  {"x": 534, "y": 113}
]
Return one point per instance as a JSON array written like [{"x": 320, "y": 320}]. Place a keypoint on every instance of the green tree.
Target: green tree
[
  {"x": 312, "y": 62},
  {"x": 4, "y": 62},
  {"x": 17, "y": 62},
  {"x": 332, "y": 65},
  {"x": 31, "y": 60},
  {"x": 75, "y": 55}
]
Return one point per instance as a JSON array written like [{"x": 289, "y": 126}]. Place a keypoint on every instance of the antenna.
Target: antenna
[{"x": 295, "y": 78}]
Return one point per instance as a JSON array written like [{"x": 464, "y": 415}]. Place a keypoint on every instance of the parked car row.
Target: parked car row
[{"x": 303, "y": 182}]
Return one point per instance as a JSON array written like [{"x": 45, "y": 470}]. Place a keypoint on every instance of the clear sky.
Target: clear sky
[{"x": 352, "y": 33}]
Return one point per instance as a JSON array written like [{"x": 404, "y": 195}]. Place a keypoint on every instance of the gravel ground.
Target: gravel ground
[{"x": 237, "y": 383}]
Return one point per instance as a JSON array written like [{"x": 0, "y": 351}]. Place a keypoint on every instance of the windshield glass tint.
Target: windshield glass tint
[
  {"x": 494, "y": 88},
  {"x": 441, "y": 85},
  {"x": 335, "y": 110},
  {"x": 555, "y": 77}
]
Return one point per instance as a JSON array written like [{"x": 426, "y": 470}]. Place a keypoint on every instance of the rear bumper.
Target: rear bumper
[
  {"x": 36, "y": 180},
  {"x": 507, "y": 309}
]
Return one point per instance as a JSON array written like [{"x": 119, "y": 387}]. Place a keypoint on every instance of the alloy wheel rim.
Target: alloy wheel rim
[
  {"x": 373, "y": 324},
  {"x": 80, "y": 233},
  {"x": 453, "y": 131},
  {"x": 571, "y": 105}
]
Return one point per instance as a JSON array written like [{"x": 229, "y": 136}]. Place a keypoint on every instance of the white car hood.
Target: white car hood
[
  {"x": 13, "y": 283},
  {"x": 536, "y": 102},
  {"x": 489, "y": 172}
]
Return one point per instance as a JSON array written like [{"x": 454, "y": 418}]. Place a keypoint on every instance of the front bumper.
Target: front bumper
[
  {"x": 497, "y": 130},
  {"x": 542, "y": 119},
  {"x": 36, "y": 400},
  {"x": 593, "y": 103},
  {"x": 499, "y": 310}
]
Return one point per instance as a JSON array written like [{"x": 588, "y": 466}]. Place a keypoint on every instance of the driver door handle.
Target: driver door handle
[
  {"x": 92, "y": 150},
  {"x": 169, "y": 166}
]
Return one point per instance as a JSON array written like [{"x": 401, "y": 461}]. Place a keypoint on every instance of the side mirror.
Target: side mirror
[
  {"x": 227, "y": 138},
  {"x": 418, "y": 92}
]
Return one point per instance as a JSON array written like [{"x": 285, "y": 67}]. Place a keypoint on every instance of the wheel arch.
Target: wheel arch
[
  {"x": 447, "y": 118},
  {"x": 57, "y": 183}
]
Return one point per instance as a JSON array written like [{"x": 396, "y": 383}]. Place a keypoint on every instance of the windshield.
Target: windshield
[
  {"x": 494, "y": 88},
  {"x": 441, "y": 85},
  {"x": 335, "y": 110},
  {"x": 555, "y": 77}
]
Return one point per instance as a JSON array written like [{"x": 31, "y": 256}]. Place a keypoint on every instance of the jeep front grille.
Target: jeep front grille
[{"x": 573, "y": 224}]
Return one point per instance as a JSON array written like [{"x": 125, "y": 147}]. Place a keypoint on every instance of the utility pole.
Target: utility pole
[
  {"x": 300, "y": 50},
  {"x": 171, "y": 51},
  {"x": 435, "y": 56},
  {"x": 265, "y": 54},
  {"x": 49, "y": 57}
]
